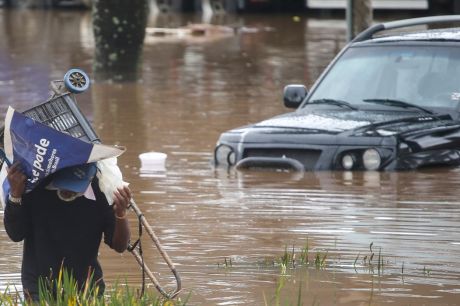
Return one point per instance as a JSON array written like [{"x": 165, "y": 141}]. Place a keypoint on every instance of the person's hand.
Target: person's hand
[
  {"x": 17, "y": 180},
  {"x": 121, "y": 199}
]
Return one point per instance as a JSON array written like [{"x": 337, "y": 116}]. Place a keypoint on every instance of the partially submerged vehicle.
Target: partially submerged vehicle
[{"x": 386, "y": 102}]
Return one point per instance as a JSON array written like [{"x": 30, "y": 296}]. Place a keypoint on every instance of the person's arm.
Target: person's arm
[
  {"x": 121, "y": 234},
  {"x": 14, "y": 217}
]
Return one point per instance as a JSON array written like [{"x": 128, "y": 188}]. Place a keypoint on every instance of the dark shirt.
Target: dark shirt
[{"x": 58, "y": 233}]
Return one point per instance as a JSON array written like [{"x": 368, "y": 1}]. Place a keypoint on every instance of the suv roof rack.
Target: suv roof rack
[{"x": 368, "y": 33}]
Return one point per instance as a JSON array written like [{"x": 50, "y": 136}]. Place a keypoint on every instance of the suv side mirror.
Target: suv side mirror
[{"x": 294, "y": 95}]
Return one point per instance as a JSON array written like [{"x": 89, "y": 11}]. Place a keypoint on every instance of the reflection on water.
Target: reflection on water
[{"x": 188, "y": 93}]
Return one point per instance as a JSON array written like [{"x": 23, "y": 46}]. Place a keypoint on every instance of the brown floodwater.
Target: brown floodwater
[{"x": 189, "y": 91}]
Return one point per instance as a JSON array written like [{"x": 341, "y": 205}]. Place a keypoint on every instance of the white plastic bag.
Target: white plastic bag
[{"x": 110, "y": 177}]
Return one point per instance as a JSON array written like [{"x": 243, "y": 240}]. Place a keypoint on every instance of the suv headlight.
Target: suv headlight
[
  {"x": 348, "y": 161},
  {"x": 371, "y": 159},
  {"x": 224, "y": 155}
]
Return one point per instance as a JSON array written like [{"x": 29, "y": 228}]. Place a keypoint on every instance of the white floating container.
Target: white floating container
[{"x": 153, "y": 161}]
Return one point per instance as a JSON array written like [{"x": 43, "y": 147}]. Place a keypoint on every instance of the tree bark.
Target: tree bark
[{"x": 119, "y": 30}]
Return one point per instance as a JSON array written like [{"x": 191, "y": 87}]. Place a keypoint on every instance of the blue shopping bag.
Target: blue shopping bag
[{"x": 42, "y": 150}]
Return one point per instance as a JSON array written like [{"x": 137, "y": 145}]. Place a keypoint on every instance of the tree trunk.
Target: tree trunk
[{"x": 119, "y": 30}]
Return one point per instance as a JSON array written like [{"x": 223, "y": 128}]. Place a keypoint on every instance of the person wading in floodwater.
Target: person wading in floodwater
[{"x": 62, "y": 222}]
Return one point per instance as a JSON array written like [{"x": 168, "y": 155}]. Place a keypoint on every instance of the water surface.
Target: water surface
[{"x": 189, "y": 91}]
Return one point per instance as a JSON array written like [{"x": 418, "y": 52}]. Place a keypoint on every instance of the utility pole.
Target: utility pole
[{"x": 359, "y": 17}]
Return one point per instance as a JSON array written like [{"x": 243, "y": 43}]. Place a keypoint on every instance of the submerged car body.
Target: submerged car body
[{"x": 384, "y": 103}]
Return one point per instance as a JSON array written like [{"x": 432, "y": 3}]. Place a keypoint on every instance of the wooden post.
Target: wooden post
[{"x": 359, "y": 17}]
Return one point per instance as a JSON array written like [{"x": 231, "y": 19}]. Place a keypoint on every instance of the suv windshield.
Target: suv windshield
[{"x": 426, "y": 76}]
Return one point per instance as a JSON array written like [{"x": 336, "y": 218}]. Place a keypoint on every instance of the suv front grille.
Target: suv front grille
[{"x": 308, "y": 158}]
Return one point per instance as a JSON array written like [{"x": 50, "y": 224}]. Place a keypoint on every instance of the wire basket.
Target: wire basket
[{"x": 62, "y": 113}]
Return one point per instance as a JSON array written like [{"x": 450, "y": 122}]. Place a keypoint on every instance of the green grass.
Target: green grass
[{"x": 64, "y": 291}]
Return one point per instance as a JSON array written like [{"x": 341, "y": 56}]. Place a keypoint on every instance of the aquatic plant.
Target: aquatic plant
[
  {"x": 372, "y": 262},
  {"x": 320, "y": 260},
  {"x": 304, "y": 254},
  {"x": 304, "y": 259},
  {"x": 288, "y": 259},
  {"x": 227, "y": 263},
  {"x": 368, "y": 260}
]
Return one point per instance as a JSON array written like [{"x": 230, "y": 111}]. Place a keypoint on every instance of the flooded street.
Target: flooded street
[{"x": 189, "y": 91}]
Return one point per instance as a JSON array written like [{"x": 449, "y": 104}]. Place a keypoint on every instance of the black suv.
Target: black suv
[{"x": 386, "y": 102}]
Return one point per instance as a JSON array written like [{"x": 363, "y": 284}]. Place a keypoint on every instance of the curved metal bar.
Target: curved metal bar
[{"x": 162, "y": 252}]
